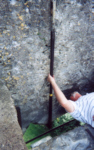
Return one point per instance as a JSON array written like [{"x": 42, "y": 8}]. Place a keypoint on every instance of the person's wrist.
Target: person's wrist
[{"x": 52, "y": 81}]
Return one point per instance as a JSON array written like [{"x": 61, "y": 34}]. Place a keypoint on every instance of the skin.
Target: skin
[{"x": 60, "y": 96}]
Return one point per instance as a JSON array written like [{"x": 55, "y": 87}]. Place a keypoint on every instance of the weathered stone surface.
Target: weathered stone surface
[
  {"x": 81, "y": 138},
  {"x": 25, "y": 50},
  {"x": 11, "y": 137},
  {"x": 44, "y": 140}
]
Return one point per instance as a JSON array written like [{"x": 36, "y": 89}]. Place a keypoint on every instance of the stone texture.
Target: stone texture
[
  {"x": 81, "y": 138},
  {"x": 11, "y": 137},
  {"x": 44, "y": 140},
  {"x": 25, "y": 51}
]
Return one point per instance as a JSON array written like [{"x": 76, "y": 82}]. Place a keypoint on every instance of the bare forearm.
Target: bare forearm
[
  {"x": 60, "y": 96},
  {"x": 58, "y": 93}
]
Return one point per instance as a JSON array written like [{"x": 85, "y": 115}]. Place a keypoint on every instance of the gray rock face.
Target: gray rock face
[
  {"x": 10, "y": 131},
  {"x": 25, "y": 51},
  {"x": 77, "y": 139},
  {"x": 44, "y": 140}
]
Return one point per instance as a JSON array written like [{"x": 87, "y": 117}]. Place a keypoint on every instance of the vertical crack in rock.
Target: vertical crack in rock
[{"x": 11, "y": 137}]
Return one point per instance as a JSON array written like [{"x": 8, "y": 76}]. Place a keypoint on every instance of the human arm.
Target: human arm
[{"x": 60, "y": 96}]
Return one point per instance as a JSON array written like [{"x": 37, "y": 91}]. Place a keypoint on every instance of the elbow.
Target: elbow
[{"x": 64, "y": 104}]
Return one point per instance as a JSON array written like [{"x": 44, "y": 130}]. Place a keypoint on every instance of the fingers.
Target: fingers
[{"x": 50, "y": 78}]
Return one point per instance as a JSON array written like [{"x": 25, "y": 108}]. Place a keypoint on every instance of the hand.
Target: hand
[{"x": 50, "y": 79}]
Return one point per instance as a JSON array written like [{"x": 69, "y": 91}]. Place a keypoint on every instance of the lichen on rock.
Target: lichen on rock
[{"x": 25, "y": 53}]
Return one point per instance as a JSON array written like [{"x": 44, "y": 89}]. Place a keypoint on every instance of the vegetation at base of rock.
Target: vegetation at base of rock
[
  {"x": 35, "y": 129},
  {"x": 61, "y": 120}
]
